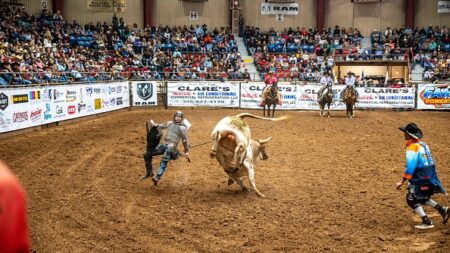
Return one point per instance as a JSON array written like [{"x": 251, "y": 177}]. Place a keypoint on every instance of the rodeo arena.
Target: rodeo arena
[{"x": 224, "y": 126}]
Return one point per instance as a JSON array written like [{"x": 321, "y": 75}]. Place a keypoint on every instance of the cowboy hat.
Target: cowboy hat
[{"x": 412, "y": 130}]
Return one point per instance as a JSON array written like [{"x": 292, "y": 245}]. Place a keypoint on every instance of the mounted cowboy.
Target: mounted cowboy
[
  {"x": 350, "y": 83},
  {"x": 326, "y": 81},
  {"x": 269, "y": 80}
]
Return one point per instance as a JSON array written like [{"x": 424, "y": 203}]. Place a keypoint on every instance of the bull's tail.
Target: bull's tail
[{"x": 249, "y": 115}]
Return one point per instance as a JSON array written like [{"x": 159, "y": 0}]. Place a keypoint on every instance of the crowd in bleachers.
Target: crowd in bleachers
[
  {"x": 45, "y": 48},
  {"x": 304, "y": 54}
]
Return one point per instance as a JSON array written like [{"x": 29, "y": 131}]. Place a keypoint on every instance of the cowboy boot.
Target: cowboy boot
[{"x": 148, "y": 165}]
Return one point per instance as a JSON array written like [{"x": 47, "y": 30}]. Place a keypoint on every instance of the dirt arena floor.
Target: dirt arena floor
[{"x": 329, "y": 185}]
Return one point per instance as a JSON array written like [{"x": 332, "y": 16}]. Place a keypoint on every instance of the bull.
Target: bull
[
  {"x": 234, "y": 148},
  {"x": 235, "y": 128},
  {"x": 255, "y": 150}
]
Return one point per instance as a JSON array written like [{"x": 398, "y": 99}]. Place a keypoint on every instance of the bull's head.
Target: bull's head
[{"x": 261, "y": 150}]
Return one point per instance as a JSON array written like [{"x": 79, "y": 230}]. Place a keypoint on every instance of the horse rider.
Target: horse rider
[
  {"x": 269, "y": 80},
  {"x": 420, "y": 171},
  {"x": 176, "y": 130},
  {"x": 325, "y": 81},
  {"x": 350, "y": 82}
]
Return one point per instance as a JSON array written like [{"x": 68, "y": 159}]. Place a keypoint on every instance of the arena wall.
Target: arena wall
[
  {"x": 365, "y": 16},
  {"x": 251, "y": 10},
  {"x": 34, "y": 7},
  {"x": 426, "y": 14},
  {"x": 214, "y": 13}
]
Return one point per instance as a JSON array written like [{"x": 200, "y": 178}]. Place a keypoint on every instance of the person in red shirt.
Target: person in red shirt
[{"x": 13, "y": 220}]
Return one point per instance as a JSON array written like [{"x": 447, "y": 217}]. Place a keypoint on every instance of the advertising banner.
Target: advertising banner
[
  {"x": 443, "y": 6},
  {"x": 106, "y": 5},
  {"x": 307, "y": 97},
  {"x": 251, "y": 95},
  {"x": 144, "y": 93},
  {"x": 279, "y": 8},
  {"x": 28, "y": 107},
  {"x": 433, "y": 96},
  {"x": 371, "y": 97},
  {"x": 214, "y": 94}
]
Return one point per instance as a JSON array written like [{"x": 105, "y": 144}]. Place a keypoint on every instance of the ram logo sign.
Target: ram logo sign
[
  {"x": 279, "y": 8},
  {"x": 144, "y": 90}
]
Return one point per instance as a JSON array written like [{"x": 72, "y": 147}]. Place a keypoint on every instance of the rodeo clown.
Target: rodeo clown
[
  {"x": 176, "y": 131},
  {"x": 423, "y": 181}
]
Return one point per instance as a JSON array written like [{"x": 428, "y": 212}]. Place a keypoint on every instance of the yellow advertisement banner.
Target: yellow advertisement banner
[{"x": 106, "y": 5}]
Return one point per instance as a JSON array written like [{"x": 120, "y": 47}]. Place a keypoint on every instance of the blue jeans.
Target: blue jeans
[{"x": 167, "y": 153}]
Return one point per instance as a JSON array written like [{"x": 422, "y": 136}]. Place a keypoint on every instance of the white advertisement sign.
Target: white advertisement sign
[
  {"x": 34, "y": 106},
  {"x": 251, "y": 95},
  {"x": 386, "y": 97},
  {"x": 279, "y": 8},
  {"x": 215, "y": 94},
  {"x": 443, "y": 6},
  {"x": 307, "y": 97},
  {"x": 144, "y": 93},
  {"x": 433, "y": 96}
]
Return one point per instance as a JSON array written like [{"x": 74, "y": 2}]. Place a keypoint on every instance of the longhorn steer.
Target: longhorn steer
[{"x": 255, "y": 150}]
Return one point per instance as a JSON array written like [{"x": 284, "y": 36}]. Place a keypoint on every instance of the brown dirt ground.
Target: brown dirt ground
[{"x": 329, "y": 185}]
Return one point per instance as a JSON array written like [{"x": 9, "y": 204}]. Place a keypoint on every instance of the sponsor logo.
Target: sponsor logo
[
  {"x": 35, "y": 95},
  {"x": 47, "y": 113},
  {"x": 280, "y": 88},
  {"x": 119, "y": 101},
  {"x": 81, "y": 107},
  {"x": 98, "y": 104},
  {"x": 36, "y": 115},
  {"x": 4, "y": 123},
  {"x": 203, "y": 88},
  {"x": 89, "y": 91},
  {"x": 435, "y": 95},
  {"x": 71, "y": 109},
  {"x": 21, "y": 98},
  {"x": 386, "y": 90},
  {"x": 144, "y": 103},
  {"x": 145, "y": 90},
  {"x": 59, "y": 110},
  {"x": 52, "y": 94},
  {"x": 3, "y": 101},
  {"x": 20, "y": 117},
  {"x": 71, "y": 95}
]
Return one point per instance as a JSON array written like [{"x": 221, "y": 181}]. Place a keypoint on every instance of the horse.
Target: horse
[
  {"x": 350, "y": 100},
  {"x": 270, "y": 98},
  {"x": 326, "y": 99}
]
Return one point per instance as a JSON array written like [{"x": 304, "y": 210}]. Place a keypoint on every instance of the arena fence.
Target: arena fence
[{"x": 31, "y": 106}]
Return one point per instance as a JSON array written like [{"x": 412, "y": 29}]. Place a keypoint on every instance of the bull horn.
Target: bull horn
[{"x": 265, "y": 140}]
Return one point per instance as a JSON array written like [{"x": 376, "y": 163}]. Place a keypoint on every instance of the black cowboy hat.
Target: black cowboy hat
[{"x": 413, "y": 130}]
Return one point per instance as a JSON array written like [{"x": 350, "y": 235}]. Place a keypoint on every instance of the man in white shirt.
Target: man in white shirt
[
  {"x": 325, "y": 81},
  {"x": 350, "y": 82}
]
